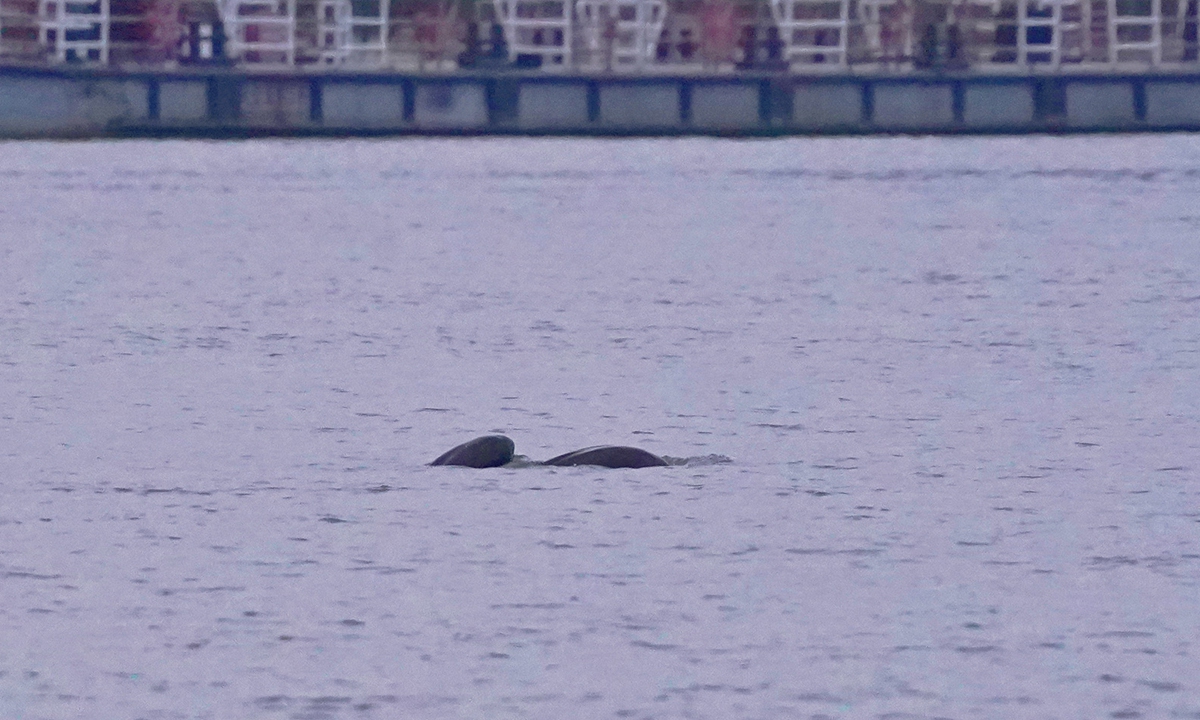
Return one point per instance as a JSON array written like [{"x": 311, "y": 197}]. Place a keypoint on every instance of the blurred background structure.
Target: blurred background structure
[{"x": 607, "y": 36}]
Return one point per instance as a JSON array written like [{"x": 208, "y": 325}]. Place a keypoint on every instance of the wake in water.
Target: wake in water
[
  {"x": 522, "y": 461},
  {"x": 699, "y": 460}
]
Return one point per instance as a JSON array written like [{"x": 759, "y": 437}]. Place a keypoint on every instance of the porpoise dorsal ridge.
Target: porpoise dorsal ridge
[
  {"x": 609, "y": 456},
  {"x": 488, "y": 451},
  {"x": 491, "y": 451}
]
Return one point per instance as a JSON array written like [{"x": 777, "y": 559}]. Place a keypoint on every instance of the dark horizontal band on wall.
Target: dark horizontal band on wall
[{"x": 38, "y": 102}]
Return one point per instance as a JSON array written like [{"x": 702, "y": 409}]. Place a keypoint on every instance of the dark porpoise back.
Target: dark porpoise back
[
  {"x": 482, "y": 452},
  {"x": 609, "y": 456}
]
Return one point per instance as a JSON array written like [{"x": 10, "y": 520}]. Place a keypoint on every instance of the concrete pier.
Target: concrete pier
[{"x": 45, "y": 102}]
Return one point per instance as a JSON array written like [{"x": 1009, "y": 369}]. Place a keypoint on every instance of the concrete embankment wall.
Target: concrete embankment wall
[{"x": 81, "y": 103}]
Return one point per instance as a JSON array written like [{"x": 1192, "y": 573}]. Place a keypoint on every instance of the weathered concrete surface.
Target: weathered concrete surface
[
  {"x": 78, "y": 102},
  {"x": 1100, "y": 105},
  {"x": 366, "y": 105},
  {"x": 725, "y": 106},
  {"x": 545, "y": 105},
  {"x": 1173, "y": 104},
  {"x": 182, "y": 100},
  {"x": 997, "y": 105},
  {"x": 48, "y": 105},
  {"x": 272, "y": 102},
  {"x": 913, "y": 106},
  {"x": 450, "y": 105},
  {"x": 827, "y": 106},
  {"x": 637, "y": 106}
]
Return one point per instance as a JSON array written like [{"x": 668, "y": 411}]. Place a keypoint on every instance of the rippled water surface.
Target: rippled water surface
[{"x": 956, "y": 382}]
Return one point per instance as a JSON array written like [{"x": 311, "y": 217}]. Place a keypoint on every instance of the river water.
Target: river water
[{"x": 935, "y": 405}]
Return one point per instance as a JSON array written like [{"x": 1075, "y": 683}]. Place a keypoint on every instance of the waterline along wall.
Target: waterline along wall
[{"x": 61, "y": 102}]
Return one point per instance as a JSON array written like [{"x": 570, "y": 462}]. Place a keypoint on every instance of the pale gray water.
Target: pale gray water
[{"x": 957, "y": 379}]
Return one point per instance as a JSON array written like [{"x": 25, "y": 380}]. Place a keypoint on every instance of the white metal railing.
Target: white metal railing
[
  {"x": 633, "y": 35},
  {"x": 538, "y": 28},
  {"x": 333, "y": 30},
  {"x": 621, "y": 34},
  {"x": 353, "y": 32},
  {"x": 887, "y": 30},
  {"x": 74, "y": 31},
  {"x": 261, "y": 32},
  {"x": 1029, "y": 33},
  {"x": 9, "y": 20},
  {"x": 1042, "y": 29},
  {"x": 1134, "y": 35},
  {"x": 814, "y": 31}
]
